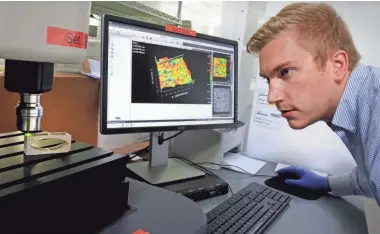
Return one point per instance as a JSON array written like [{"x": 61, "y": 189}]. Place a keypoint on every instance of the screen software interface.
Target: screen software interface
[{"x": 158, "y": 79}]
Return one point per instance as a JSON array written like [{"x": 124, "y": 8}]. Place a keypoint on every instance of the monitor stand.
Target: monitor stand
[{"x": 162, "y": 170}]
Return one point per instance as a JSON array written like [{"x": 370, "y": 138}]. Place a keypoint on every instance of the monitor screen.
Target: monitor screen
[{"x": 158, "y": 80}]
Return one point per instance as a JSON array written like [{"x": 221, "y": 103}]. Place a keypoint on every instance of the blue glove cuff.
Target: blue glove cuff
[{"x": 322, "y": 183}]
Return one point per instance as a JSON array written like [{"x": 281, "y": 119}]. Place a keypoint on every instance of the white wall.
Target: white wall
[{"x": 205, "y": 16}]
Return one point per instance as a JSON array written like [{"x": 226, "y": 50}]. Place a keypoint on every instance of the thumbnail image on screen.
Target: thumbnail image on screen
[
  {"x": 162, "y": 74},
  {"x": 222, "y": 101},
  {"x": 221, "y": 68}
]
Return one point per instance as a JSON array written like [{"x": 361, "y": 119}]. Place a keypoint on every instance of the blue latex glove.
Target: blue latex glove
[{"x": 308, "y": 179}]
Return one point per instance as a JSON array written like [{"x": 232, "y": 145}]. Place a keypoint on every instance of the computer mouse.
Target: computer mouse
[{"x": 278, "y": 182}]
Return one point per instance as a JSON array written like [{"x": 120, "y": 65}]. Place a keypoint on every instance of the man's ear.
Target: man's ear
[{"x": 340, "y": 65}]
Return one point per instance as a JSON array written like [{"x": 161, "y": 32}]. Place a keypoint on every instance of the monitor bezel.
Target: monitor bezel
[{"x": 106, "y": 19}]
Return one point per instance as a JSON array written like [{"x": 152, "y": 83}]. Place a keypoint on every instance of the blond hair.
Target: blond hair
[{"x": 315, "y": 22}]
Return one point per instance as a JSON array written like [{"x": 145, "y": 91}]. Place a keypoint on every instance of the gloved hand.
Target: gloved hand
[{"x": 308, "y": 179}]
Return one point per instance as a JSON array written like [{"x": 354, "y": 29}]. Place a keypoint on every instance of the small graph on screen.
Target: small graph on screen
[{"x": 220, "y": 67}]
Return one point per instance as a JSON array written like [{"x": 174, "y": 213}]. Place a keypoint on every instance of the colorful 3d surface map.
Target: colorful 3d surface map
[{"x": 173, "y": 72}]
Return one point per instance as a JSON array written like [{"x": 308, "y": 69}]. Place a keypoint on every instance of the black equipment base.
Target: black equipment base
[
  {"x": 84, "y": 191},
  {"x": 200, "y": 189}
]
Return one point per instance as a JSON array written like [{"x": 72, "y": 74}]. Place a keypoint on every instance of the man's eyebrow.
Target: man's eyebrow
[{"x": 277, "y": 68}]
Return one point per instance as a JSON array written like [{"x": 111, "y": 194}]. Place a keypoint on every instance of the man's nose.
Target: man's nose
[{"x": 274, "y": 95}]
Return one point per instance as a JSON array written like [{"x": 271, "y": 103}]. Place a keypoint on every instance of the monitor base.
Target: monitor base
[{"x": 174, "y": 171}]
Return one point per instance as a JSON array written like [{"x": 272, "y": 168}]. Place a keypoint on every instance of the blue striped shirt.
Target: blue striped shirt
[{"x": 357, "y": 122}]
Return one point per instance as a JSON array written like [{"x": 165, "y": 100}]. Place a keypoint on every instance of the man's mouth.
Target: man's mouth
[{"x": 286, "y": 113}]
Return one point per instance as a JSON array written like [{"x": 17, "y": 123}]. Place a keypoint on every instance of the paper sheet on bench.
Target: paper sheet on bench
[{"x": 251, "y": 165}]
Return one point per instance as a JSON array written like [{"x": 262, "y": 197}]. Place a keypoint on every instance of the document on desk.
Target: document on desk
[
  {"x": 280, "y": 165},
  {"x": 248, "y": 164}
]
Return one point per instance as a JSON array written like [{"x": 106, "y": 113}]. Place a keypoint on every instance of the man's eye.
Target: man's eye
[{"x": 284, "y": 72}]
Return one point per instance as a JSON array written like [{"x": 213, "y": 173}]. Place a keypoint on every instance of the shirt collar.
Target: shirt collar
[{"x": 347, "y": 111}]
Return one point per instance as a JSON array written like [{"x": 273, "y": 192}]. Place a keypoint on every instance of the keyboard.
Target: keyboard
[{"x": 250, "y": 210}]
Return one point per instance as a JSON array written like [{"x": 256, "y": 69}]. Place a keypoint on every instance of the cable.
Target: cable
[
  {"x": 179, "y": 133},
  {"x": 245, "y": 172},
  {"x": 203, "y": 169},
  {"x": 137, "y": 153},
  {"x": 161, "y": 138}
]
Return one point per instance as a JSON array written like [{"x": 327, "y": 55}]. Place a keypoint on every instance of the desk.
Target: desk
[{"x": 325, "y": 215}]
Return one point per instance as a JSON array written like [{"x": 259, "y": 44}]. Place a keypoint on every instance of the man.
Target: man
[{"x": 309, "y": 59}]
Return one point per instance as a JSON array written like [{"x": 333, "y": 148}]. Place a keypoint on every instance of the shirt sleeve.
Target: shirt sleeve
[
  {"x": 354, "y": 183},
  {"x": 372, "y": 154}
]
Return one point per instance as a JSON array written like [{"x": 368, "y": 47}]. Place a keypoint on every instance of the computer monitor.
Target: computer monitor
[{"x": 155, "y": 80}]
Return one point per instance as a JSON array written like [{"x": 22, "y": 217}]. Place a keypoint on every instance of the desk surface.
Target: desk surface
[{"x": 325, "y": 215}]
